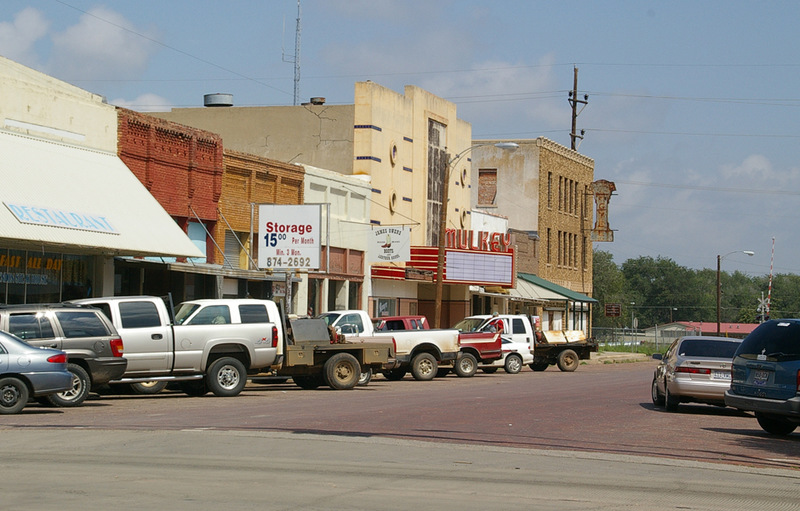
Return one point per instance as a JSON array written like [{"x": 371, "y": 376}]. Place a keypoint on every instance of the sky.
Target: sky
[{"x": 691, "y": 110}]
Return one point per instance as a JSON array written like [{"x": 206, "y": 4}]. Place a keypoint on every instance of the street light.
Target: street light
[
  {"x": 719, "y": 288},
  {"x": 507, "y": 146}
]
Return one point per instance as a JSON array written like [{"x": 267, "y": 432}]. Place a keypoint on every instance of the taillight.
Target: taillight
[
  {"x": 61, "y": 358},
  {"x": 798, "y": 380},
  {"x": 394, "y": 347},
  {"x": 116, "y": 347},
  {"x": 274, "y": 337},
  {"x": 692, "y": 370}
]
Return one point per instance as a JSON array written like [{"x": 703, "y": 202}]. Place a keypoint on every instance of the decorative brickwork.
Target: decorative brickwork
[
  {"x": 180, "y": 166},
  {"x": 252, "y": 180}
]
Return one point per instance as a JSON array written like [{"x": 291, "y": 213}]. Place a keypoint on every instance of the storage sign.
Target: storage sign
[{"x": 289, "y": 237}]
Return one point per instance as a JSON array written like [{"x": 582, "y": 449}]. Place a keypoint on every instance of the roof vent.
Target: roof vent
[
  {"x": 218, "y": 99},
  {"x": 317, "y": 101}
]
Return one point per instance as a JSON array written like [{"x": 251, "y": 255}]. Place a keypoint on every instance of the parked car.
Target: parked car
[
  {"x": 516, "y": 355},
  {"x": 694, "y": 369},
  {"x": 766, "y": 376},
  {"x": 93, "y": 347},
  {"x": 28, "y": 372}
]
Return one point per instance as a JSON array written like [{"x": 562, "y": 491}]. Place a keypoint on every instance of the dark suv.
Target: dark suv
[
  {"x": 765, "y": 377},
  {"x": 93, "y": 347}
]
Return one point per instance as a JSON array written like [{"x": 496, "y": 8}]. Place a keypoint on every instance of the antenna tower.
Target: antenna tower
[{"x": 296, "y": 59}]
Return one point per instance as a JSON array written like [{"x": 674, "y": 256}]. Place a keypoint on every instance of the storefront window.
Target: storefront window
[
  {"x": 384, "y": 307},
  {"x": 42, "y": 277}
]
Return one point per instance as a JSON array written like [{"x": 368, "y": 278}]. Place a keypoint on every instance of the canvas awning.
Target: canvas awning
[{"x": 61, "y": 197}]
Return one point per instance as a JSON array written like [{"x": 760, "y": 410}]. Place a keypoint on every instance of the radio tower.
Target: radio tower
[{"x": 296, "y": 59}]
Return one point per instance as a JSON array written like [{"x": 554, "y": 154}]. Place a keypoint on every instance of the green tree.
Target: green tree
[{"x": 608, "y": 283}]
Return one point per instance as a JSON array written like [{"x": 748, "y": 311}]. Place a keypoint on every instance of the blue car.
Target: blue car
[
  {"x": 765, "y": 378},
  {"x": 29, "y": 372}
]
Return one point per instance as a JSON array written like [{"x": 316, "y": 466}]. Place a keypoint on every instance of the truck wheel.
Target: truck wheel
[
  {"x": 194, "y": 388},
  {"x": 568, "y": 361},
  {"x": 513, "y": 364},
  {"x": 539, "y": 366},
  {"x": 148, "y": 387},
  {"x": 466, "y": 365},
  {"x": 226, "y": 377},
  {"x": 395, "y": 374},
  {"x": 775, "y": 425},
  {"x": 365, "y": 378},
  {"x": 442, "y": 372},
  {"x": 424, "y": 367},
  {"x": 342, "y": 371},
  {"x": 13, "y": 395},
  {"x": 308, "y": 381},
  {"x": 79, "y": 391}
]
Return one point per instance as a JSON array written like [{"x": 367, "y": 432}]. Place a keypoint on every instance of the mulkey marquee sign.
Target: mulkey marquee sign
[{"x": 52, "y": 217}]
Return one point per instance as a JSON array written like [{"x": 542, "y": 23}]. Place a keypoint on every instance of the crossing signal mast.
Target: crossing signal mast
[{"x": 574, "y": 102}]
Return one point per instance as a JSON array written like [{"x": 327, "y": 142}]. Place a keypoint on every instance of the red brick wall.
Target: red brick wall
[{"x": 180, "y": 166}]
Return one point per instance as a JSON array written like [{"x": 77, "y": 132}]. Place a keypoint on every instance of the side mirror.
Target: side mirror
[{"x": 658, "y": 356}]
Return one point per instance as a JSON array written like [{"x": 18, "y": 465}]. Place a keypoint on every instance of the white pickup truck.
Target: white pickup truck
[
  {"x": 564, "y": 349},
  {"x": 420, "y": 351},
  {"x": 212, "y": 345}
]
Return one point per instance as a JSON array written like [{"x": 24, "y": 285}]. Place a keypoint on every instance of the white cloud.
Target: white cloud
[
  {"x": 18, "y": 37},
  {"x": 144, "y": 103},
  {"x": 103, "y": 44}
]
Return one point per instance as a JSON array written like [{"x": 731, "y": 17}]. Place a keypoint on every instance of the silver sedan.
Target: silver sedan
[
  {"x": 27, "y": 371},
  {"x": 694, "y": 369}
]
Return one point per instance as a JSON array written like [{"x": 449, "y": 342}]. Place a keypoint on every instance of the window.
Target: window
[
  {"x": 81, "y": 324},
  {"x": 30, "y": 325},
  {"x": 254, "y": 313},
  {"x": 212, "y": 315},
  {"x": 139, "y": 314},
  {"x": 517, "y": 326}
]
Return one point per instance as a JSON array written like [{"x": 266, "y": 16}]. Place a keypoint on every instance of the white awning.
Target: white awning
[
  {"x": 60, "y": 197},
  {"x": 529, "y": 291}
]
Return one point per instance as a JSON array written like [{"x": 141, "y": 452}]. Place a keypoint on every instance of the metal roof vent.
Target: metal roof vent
[
  {"x": 218, "y": 99},
  {"x": 317, "y": 101}
]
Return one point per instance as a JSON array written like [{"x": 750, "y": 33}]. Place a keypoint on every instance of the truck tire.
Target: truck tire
[
  {"x": 308, "y": 381},
  {"x": 539, "y": 366},
  {"x": 148, "y": 387},
  {"x": 395, "y": 374},
  {"x": 342, "y": 371},
  {"x": 13, "y": 395},
  {"x": 466, "y": 365},
  {"x": 568, "y": 361},
  {"x": 442, "y": 372},
  {"x": 424, "y": 367},
  {"x": 79, "y": 391},
  {"x": 365, "y": 378},
  {"x": 226, "y": 377},
  {"x": 775, "y": 425},
  {"x": 194, "y": 388},
  {"x": 513, "y": 363}
]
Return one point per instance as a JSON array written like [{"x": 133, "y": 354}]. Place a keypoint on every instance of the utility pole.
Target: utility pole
[{"x": 574, "y": 101}]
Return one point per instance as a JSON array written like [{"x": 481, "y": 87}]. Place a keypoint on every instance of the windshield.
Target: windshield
[
  {"x": 468, "y": 324},
  {"x": 707, "y": 348},
  {"x": 184, "y": 311},
  {"x": 329, "y": 317},
  {"x": 777, "y": 339}
]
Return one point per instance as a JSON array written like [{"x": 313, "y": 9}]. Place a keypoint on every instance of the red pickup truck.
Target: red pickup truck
[{"x": 474, "y": 346}]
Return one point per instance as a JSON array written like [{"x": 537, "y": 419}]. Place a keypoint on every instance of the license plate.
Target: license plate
[
  {"x": 721, "y": 375},
  {"x": 760, "y": 377}
]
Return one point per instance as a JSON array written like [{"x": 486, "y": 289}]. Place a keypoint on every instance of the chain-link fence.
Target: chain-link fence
[{"x": 658, "y": 339}]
